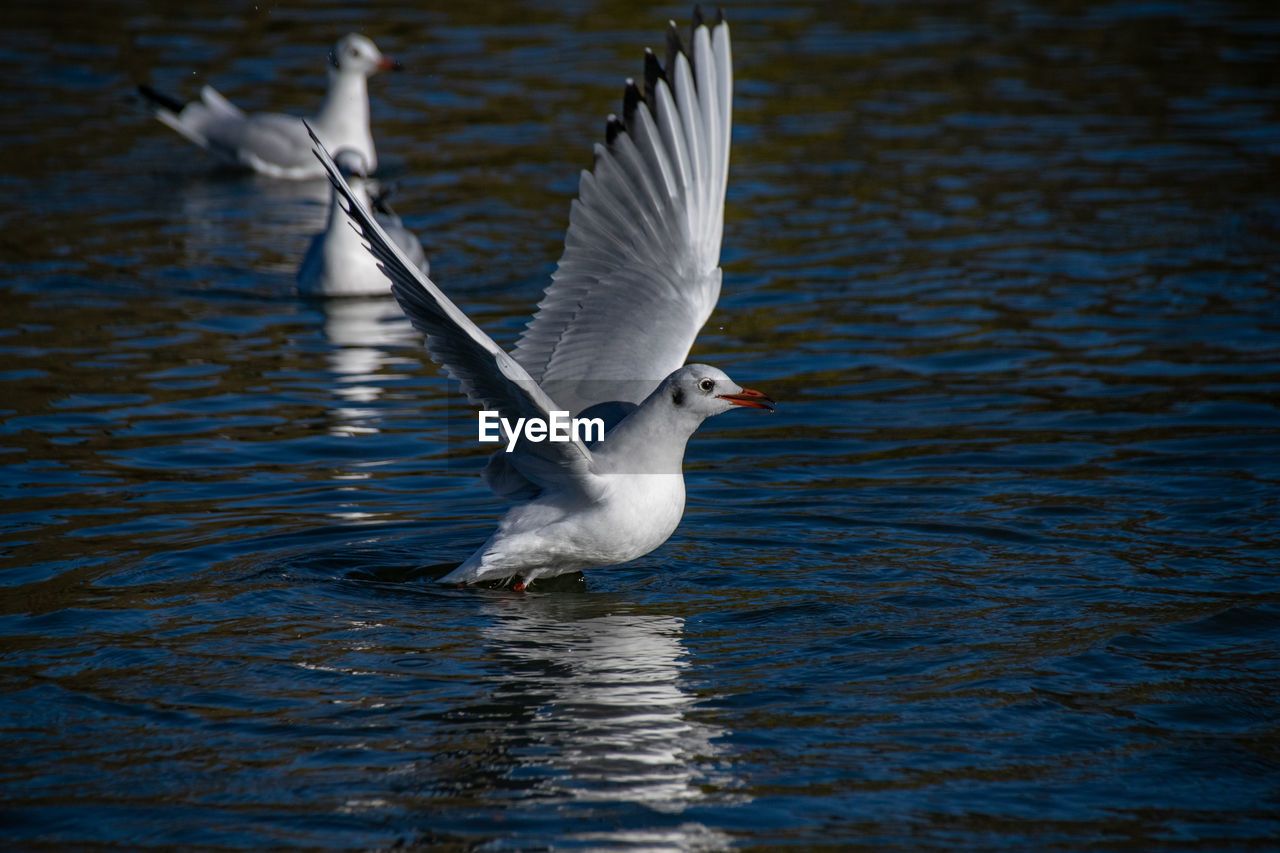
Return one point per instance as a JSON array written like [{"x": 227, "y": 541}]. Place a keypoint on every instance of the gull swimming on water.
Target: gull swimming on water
[
  {"x": 638, "y": 278},
  {"x": 337, "y": 262},
  {"x": 279, "y": 145}
]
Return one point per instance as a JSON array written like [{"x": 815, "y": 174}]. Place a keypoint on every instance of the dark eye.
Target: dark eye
[
  {"x": 354, "y": 52},
  {"x": 707, "y": 384}
]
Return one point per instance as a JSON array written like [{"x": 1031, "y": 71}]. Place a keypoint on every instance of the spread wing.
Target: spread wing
[
  {"x": 490, "y": 378},
  {"x": 640, "y": 271}
]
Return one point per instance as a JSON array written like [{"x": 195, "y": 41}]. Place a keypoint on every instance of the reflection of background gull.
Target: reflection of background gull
[
  {"x": 361, "y": 332},
  {"x": 268, "y": 221},
  {"x": 606, "y": 716}
]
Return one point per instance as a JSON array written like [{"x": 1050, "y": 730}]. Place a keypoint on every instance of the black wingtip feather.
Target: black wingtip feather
[
  {"x": 160, "y": 99},
  {"x": 612, "y": 128},
  {"x": 652, "y": 74},
  {"x": 631, "y": 99},
  {"x": 675, "y": 45},
  {"x": 698, "y": 20},
  {"x": 719, "y": 16}
]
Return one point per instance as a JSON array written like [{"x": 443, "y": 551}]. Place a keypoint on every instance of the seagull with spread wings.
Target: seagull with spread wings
[{"x": 638, "y": 278}]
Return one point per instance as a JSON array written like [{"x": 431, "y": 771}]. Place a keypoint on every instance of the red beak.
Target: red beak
[
  {"x": 386, "y": 63},
  {"x": 750, "y": 398}
]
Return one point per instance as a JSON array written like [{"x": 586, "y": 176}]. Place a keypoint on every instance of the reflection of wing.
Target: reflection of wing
[
  {"x": 489, "y": 377},
  {"x": 640, "y": 270}
]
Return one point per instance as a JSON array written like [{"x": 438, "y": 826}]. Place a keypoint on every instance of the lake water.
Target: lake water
[{"x": 1000, "y": 573}]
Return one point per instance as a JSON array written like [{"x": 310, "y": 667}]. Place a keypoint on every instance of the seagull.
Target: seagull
[
  {"x": 276, "y": 144},
  {"x": 638, "y": 278},
  {"x": 337, "y": 262}
]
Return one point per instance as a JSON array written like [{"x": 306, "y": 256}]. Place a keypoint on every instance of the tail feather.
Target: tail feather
[{"x": 160, "y": 99}]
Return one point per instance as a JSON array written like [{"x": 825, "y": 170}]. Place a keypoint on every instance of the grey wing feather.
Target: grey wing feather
[
  {"x": 273, "y": 143},
  {"x": 406, "y": 240},
  {"x": 640, "y": 271},
  {"x": 489, "y": 377},
  {"x": 214, "y": 100},
  {"x": 401, "y": 236},
  {"x": 267, "y": 141}
]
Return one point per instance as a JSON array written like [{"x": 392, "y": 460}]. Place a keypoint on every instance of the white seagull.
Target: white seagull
[
  {"x": 638, "y": 278},
  {"x": 337, "y": 262},
  {"x": 275, "y": 144}
]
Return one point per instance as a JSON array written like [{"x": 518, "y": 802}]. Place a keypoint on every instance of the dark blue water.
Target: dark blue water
[{"x": 1000, "y": 574}]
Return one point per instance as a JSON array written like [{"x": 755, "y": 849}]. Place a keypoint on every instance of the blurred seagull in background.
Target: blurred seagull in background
[
  {"x": 638, "y": 278},
  {"x": 279, "y": 145},
  {"x": 337, "y": 262}
]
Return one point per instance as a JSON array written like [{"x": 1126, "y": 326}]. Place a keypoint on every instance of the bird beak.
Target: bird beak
[
  {"x": 386, "y": 63},
  {"x": 750, "y": 398}
]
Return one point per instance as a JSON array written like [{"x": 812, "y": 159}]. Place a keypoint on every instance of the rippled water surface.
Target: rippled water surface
[{"x": 1001, "y": 572}]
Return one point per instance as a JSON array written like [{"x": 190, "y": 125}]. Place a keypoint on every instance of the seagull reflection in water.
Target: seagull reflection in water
[{"x": 589, "y": 713}]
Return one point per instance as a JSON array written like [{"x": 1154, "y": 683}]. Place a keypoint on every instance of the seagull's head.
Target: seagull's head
[
  {"x": 355, "y": 53},
  {"x": 355, "y": 171},
  {"x": 703, "y": 391},
  {"x": 351, "y": 163}
]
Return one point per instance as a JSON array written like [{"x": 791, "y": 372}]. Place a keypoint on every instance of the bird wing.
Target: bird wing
[
  {"x": 407, "y": 242},
  {"x": 640, "y": 271},
  {"x": 490, "y": 378},
  {"x": 400, "y": 235},
  {"x": 219, "y": 105},
  {"x": 272, "y": 143}
]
